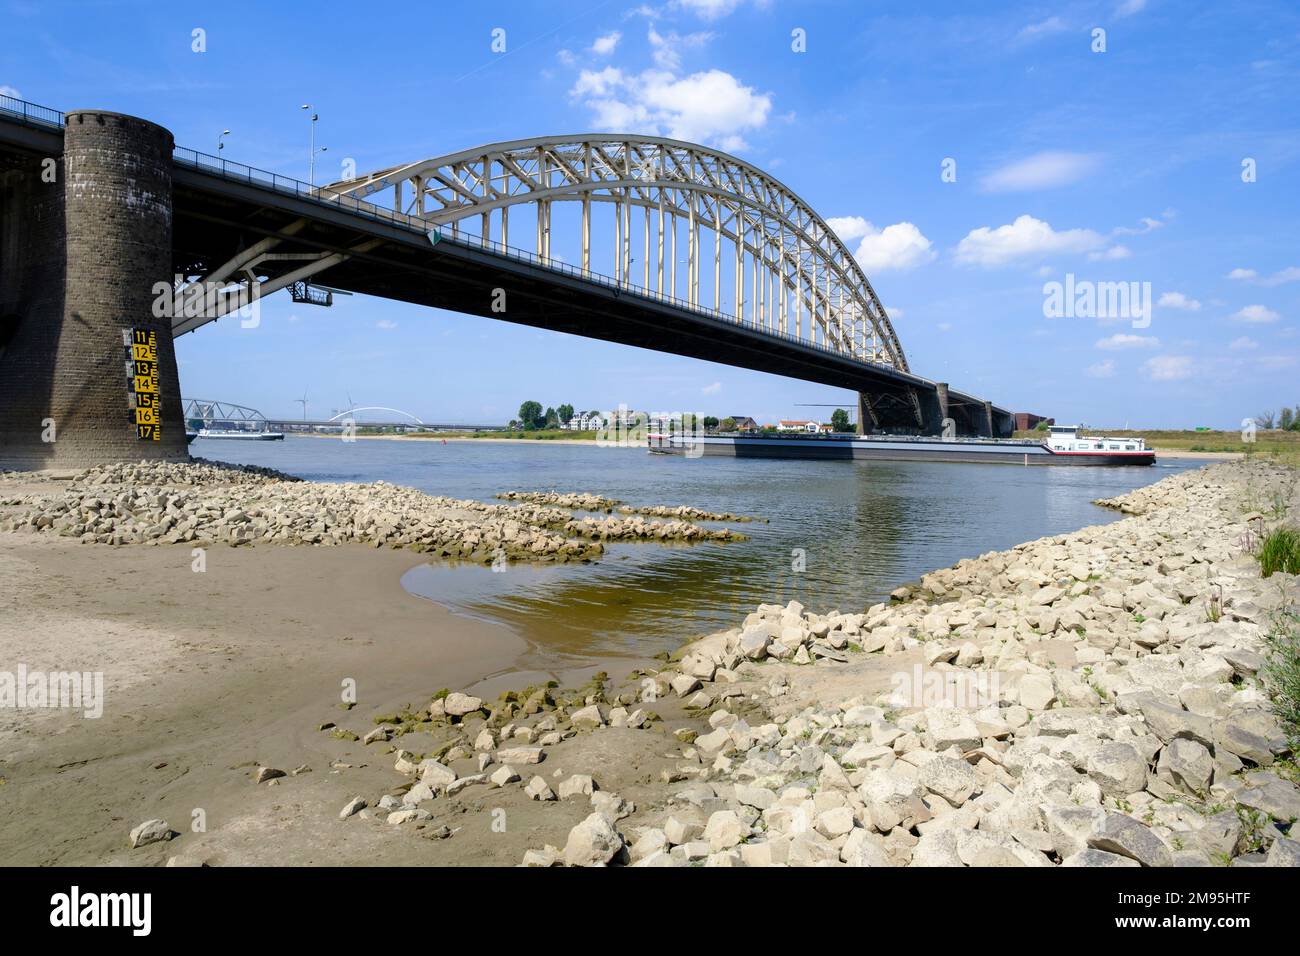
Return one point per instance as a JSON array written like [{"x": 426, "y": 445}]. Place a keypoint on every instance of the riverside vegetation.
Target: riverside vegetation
[{"x": 1124, "y": 695}]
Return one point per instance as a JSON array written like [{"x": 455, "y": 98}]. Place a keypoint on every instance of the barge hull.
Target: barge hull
[{"x": 966, "y": 451}]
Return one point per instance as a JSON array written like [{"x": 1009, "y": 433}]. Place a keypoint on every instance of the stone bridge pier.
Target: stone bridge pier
[
  {"x": 923, "y": 411},
  {"x": 87, "y": 369}
]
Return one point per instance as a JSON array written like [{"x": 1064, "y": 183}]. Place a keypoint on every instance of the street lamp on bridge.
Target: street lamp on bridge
[
  {"x": 312, "y": 155},
  {"x": 221, "y": 145}
]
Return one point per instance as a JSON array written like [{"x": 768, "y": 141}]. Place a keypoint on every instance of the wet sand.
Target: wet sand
[{"x": 209, "y": 675}]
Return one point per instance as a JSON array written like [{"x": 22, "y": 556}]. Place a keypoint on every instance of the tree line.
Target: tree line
[
  {"x": 1288, "y": 419},
  {"x": 533, "y": 418}
]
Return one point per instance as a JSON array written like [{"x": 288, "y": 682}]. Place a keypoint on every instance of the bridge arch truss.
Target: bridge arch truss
[{"x": 769, "y": 261}]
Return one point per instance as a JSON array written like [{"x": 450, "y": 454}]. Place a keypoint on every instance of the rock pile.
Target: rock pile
[
  {"x": 203, "y": 502},
  {"x": 580, "y": 501},
  {"x": 195, "y": 472},
  {"x": 685, "y": 512},
  {"x": 1115, "y": 713}
]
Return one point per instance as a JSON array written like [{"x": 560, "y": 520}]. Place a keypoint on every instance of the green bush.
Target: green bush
[
  {"x": 1282, "y": 672},
  {"x": 1280, "y": 551}
]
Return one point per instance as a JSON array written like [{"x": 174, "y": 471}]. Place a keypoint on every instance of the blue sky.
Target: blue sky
[{"x": 1117, "y": 165}]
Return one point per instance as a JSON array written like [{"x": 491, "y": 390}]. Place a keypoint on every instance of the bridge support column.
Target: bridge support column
[
  {"x": 867, "y": 414},
  {"x": 990, "y": 428},
  {"x": 941, "y": 393},
  {"x": 91, "y": 247}
]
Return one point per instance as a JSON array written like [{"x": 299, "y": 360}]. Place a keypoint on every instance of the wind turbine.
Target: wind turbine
[{"x": 303, "y": 401}]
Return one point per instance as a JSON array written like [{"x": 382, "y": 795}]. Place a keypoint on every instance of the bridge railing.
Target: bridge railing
[
  {"x": 240, "y": 173},
  {"x": 30, "y": 113}
]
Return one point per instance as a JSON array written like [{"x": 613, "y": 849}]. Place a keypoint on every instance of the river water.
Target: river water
[{"x": 839, "y": 534}]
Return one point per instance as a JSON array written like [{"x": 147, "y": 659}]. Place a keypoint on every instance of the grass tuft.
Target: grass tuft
[
  {"x": 1280, "y": 551},
  {"x": 1282, "y": 672}
]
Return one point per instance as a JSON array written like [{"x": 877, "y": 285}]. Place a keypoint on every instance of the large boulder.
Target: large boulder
[
  {"x": 725, "y": 830},
  {"x": 1186, "y": 763},
  {"x": 954, "y": 780},
  {"x": 458, "y": 705},
  {"x": 151, "y": 831},
  {"x": 1125, "y": 836},
  {"x": 1118, "y": 769},
  {"x": 593, "y": 842}
]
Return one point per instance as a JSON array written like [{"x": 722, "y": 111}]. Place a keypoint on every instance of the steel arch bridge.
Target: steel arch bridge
[
  {"x": 678, "y": 248},
  {"x": 782, "y": 268},
  {"x": 374, "y": 408}
]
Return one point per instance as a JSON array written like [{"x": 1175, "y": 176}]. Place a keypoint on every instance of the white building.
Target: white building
[
  {"x": 585, "y": 422},
  {"x": 796, "y": 425}
]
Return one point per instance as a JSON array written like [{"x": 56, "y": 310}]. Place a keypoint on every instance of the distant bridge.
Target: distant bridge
[
  {"x": 727, "y": 265},
  {"x": 207, "y": 413}
]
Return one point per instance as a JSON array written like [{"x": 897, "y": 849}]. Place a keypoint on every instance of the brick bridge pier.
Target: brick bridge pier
[{"x": 87, "y": 370}]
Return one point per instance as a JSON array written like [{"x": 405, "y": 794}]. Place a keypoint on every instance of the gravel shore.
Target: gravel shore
[{"x": 1091, "y": 699}]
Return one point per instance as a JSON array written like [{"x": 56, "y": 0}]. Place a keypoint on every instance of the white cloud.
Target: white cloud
[
  {"x": 606, "y": 45},
  {"x": 945, "y": 326},
  {"x": 386, "y": 324},
  {"x": 667, "y": 49},
  {"x": 707, "y": 9},
  {"x": 1242, "y": 344},
  {"x": 1167, "y": 368},
  {"x": 1255, "y": 314},
  {"x": 1129, "y": 7},
  {"x": 711, "y": 389},
  {"x": 1026, "y": 238},
  {"x": 10, "y": 91},
  {"x": 1289, "y": 274},
  {"x": 1148, "y": 225},
  {"x": 1281, "y": 277},
  {"x": 566, "y": 57},
  {"x": 1277, "y": 361},
  {"x": 1035, "y": 31},
  {"x": 712, "y": 106},
  {"x": 1176, "y": 300},
  {"x": 597, "y": 82},
  {"x": 900, "y": 246},
  {"x": 1122, "y": 341},
  {"x": 849, "y": 228},
  {"x": 1104, "y": 369},
  {"x": 1110, "y": 255},
  {"x": 1040, "y": 171}
]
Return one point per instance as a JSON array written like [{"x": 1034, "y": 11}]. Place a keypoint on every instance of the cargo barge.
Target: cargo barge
[{"x": 1062, "y": 446}]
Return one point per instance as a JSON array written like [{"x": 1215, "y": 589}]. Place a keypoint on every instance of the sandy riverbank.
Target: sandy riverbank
[
  {"x": 210, "y": 674},
  {"x": 1182, "y": 454}
]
